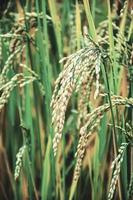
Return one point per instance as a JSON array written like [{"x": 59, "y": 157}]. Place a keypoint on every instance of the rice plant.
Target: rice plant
[{"x": 66, "y": 100}]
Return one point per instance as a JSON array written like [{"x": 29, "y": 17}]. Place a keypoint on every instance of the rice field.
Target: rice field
[{"x": 66, "y": 100}]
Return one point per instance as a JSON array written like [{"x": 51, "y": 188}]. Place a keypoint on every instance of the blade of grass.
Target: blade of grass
[
  {"x": 57, "y": 24},
  {"x": 78, "y": 25},
  {"x": 90, "y": 20}
]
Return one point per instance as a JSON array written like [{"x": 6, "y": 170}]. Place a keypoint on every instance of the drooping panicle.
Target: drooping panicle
[{"x": 78, "y": 67}]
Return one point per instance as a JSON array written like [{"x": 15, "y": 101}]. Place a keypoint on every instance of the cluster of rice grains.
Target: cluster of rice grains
[
  {"x": 80, "y": 71},
  {"x": 15, "y": 40},
  {"x": 116, "y": 164},
  {"x": 78, "y": 68},
  {"x": 23, "y": 152},
  {"x": 8, "y": 84},
  {"x": 92, "y": 121},
  {"x": 19, "y": 161}
]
